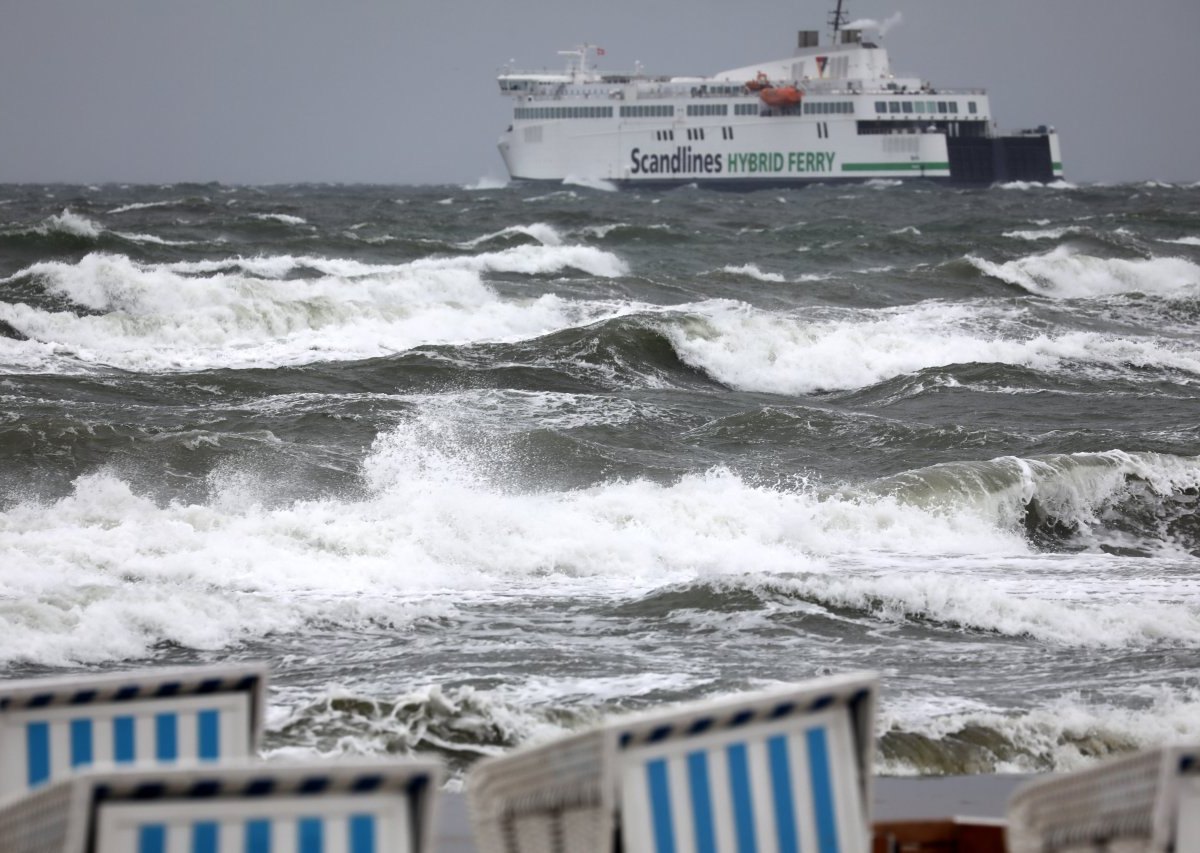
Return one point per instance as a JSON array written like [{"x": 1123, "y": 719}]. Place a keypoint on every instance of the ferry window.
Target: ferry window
[
  {"x": 881, "y": 106},
  {"x": 971, "y": 108},
  {"x": 908, "y": 107},
  {"x": 920, "y": 106},
  {"x": 894, "y": 106},
  {"x": 929, "y": 107},
  {"x": 954, "y": 106},
  {"x": 941, "y": 106}
]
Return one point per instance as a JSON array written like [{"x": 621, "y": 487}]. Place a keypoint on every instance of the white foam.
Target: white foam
[
  {"x": 545, "y": 234},
  {"x": 1184, "y": 241},
  {"x": 144, "y": 205},
  {"x": 487, "y": 183},
  {"x": 239, "y": 313},
  {"x": 150, "y": 238},
  {"x": 882, "y": 183},
  {"x": 590, "y": 183},
  {"x": 602, "y": 231},
  {"x": 802, "y": 352},
  {"x": 70, "y": 223},
  {"x": 1036, "y": 185},
  {"x": 1042, "y": 233},
  {"x": 1062, "y": 734},
  {"x": 993, "y": 605},
  {"x": 285, "y": 218},
  {"x": 559, "y": 194},
  {"x": 752, "y": 271},
  {"x": 1065, "y": 273},
  {"x": 105, "y": 574}
]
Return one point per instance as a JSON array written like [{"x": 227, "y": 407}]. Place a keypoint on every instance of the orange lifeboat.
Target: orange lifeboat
[
  {"x": 759, "y": 82},
  {"x": 781, "y": 96}
]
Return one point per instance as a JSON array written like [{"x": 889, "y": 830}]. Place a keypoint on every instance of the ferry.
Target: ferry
[{"x": 833, "y": 112}]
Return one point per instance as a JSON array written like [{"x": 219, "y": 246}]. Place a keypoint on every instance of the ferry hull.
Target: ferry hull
[{"x": 631, "y": 160}]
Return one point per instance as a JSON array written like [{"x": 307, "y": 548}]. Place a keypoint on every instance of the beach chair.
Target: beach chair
[
  {"x": 782, "y": 771},
  {"x": 54, "y": 727},
  {"x": 1148, "y": 802},
  {"x": 330, "y": 806}
]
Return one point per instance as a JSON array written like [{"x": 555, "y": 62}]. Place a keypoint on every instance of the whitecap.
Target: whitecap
[
  {"x": 1066, "y": 273},
  {"x": 590, "y": 183},
  {"x": 487, "y": 183},
  {"x": 752, "y": 271}
]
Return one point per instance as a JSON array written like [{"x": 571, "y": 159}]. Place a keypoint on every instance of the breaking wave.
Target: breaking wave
[
  {"x": 915, "y": 736},
  {"x": 106, "y": 574},
  {"x": 246, "y": 312},
  {"x": 1064, "y": 273},
  {"x": 1063, "y": 735},
  {"x": 752, "y": 271},
  {"x": 753, "y": 350}
]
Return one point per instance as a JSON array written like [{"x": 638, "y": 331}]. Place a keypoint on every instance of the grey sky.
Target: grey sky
[{"x": 394, "y": 91}]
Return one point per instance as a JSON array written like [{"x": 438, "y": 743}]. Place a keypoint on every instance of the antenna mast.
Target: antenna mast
[{"x": 837, "y": 20}]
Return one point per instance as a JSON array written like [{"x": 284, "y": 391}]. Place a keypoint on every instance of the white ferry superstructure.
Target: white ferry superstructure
[{"x": 827, "y": 113}]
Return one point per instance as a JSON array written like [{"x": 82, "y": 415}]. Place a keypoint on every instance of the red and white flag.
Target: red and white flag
[{"x": 599, "y": 51}]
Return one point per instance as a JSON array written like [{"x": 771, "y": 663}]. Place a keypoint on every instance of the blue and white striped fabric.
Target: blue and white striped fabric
[
  {"x": 51, "y": 728},
  {"x": 791, "y": 787},
  {"x": 353, "y": 833},
  {"x": 341, "y": 822},
  {"x": 53, "y": 743}
]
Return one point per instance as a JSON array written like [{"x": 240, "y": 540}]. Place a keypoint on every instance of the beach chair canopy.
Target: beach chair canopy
[
  {"x": 1149, "y": 801},
  {"x": 781, "y": 771},
  {"x": 54, "y": 727},
  {"x": 331, "y": 806}
]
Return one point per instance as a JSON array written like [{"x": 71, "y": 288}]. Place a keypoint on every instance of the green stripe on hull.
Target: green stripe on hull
[{"x": 895, "y": 167}]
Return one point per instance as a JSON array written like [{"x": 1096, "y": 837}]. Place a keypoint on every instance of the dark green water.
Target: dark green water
[{"x": 474, "y": 466}]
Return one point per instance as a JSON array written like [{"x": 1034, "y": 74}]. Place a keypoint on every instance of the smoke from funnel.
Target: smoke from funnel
[{"x": 872, "y": 24}]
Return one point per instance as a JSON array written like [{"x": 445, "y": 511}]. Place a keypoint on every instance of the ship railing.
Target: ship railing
[{"x": 556, "y": 92}]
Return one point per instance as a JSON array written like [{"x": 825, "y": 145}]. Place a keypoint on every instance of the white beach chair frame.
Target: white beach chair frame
[
  {"x": 337, "y": 806},
  {"x": 1149, "y": 801},
  {"x": 52, "y": 728},
  {"x": 789, "y": 768}
]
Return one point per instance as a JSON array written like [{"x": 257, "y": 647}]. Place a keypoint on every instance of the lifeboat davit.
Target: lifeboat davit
[
  {"x": 781, "y": 96},
  {"x": 759, "y": 83}
]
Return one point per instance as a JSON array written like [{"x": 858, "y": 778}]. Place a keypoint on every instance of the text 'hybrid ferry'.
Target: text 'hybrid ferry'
[{"x": 828, "y": 113}]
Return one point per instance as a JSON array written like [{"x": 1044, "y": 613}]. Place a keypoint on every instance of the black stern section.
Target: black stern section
[{"x": 1000, "y": 159}]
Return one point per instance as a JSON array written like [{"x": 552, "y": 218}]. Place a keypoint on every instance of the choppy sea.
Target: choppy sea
[{"x": 472, "y": 466}]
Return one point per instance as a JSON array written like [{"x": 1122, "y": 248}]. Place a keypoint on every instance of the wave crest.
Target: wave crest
[{"x": 1063, "y": 273}]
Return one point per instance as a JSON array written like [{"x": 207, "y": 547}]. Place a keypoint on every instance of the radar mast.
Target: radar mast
[{"x": 837, "y": 20}]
